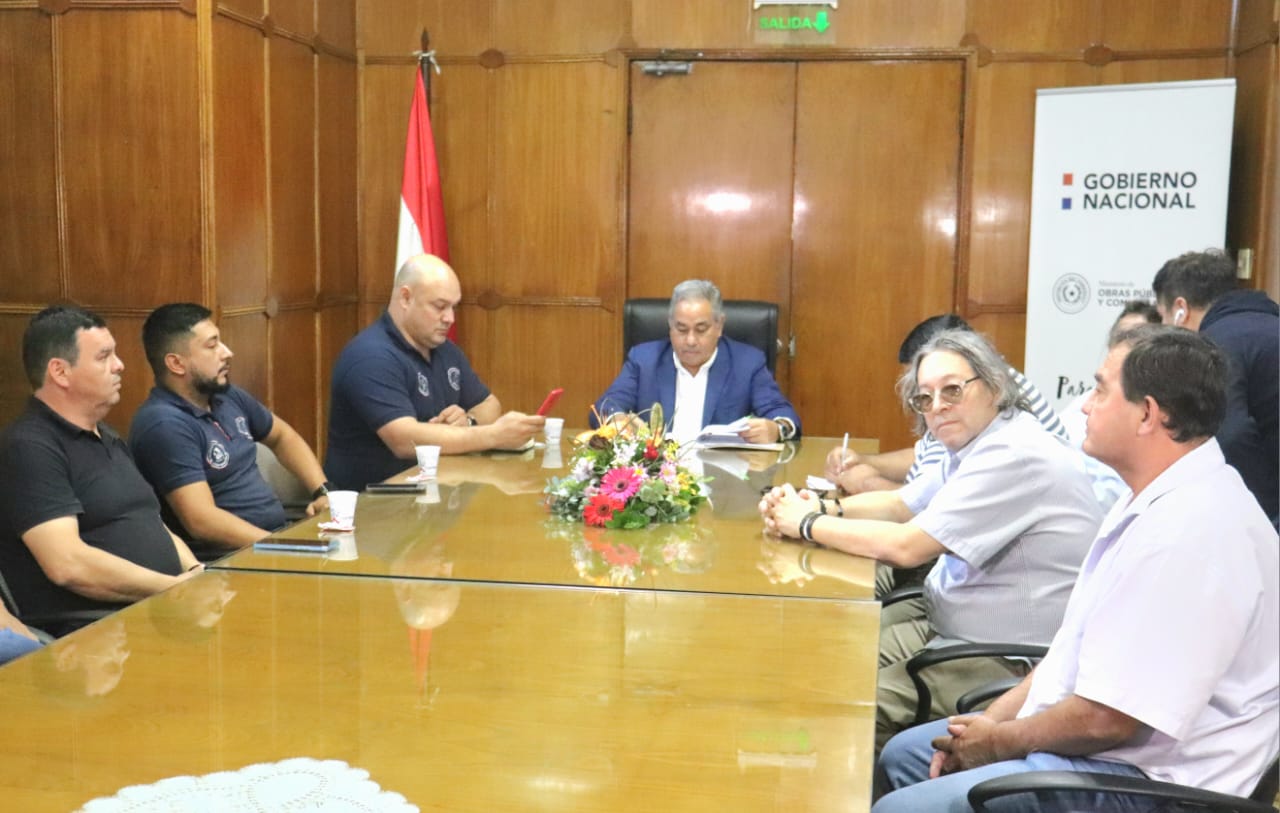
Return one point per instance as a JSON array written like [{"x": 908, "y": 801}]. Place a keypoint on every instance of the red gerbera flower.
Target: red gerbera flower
[{"x": 600, "y": 510}]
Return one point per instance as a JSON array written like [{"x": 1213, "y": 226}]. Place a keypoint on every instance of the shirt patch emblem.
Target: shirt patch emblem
[
  {"x": 217, "y": 457},
  {"x": 242, "y": 426},
  {"x": 455, "y": 379},
  {"x": 423, "y": 387}
]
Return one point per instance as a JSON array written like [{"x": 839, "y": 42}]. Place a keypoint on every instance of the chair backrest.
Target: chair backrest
[
  {"x": 746, "y": 320},
  {"x": 289, "y": 489}
]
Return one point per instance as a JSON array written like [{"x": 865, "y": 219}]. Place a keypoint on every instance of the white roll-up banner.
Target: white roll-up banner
[{"x": 1125, "y": 177}]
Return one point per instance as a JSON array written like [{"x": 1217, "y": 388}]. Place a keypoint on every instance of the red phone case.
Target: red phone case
[{"x": 550, "y": 401}]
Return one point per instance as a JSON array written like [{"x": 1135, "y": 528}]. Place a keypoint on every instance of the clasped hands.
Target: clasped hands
[
  {"x": 970, "y": 742},
  {"x": 782, "y": 508}
]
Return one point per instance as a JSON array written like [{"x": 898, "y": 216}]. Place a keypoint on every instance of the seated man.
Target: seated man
[
  {"x": 1008, "y": 513},
  {"x": 1107, "y": 485},
  {"x": 887, "y": 471},
  {"x": 195, "y": 438},
  {"x": 701, "y": 377},
  {"x": 80, "y": 528},
  {"x": 1198, "y": 291},
  {"x": 1164, "y": 666},
  {"x": 401, "y": 383}
]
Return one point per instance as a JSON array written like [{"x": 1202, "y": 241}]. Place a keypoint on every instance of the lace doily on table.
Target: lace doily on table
[{"x": 292, "y": 784}]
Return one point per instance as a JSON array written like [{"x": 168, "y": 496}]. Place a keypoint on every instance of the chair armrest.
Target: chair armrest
[
  {"x": 990, "y": 691},
  {"x": 932, "y": 657},
  {"x": 902, "y": 594},
  {"x": 1039, "y": 781}
]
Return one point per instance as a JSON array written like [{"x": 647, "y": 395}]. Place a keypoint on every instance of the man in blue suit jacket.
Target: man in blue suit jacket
[{"x": 701, "y": 377}]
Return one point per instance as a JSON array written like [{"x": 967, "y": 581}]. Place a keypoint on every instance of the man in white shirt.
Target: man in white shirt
[{"x": 1163, "y": 667}]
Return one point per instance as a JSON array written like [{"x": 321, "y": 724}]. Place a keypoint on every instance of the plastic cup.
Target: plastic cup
[
  {"x": 342, "y": 508},
  {"x": 428, "y": 460},
  {"x": 552, "y": 429}
]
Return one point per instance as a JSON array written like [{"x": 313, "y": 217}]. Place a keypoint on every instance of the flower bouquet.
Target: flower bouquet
[{"x": 626, "y": 475}]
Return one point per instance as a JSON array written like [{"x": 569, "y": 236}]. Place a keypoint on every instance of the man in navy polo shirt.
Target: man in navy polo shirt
[
  {"x": 401, "y": 383},
  {"x": 80, "y": 530},
  {"x": 195, "y": 437}
]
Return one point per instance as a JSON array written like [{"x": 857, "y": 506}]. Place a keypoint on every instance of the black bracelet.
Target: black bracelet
[
  {"x": 822, "y": 505},
  {"x": 839, "y": 508},
  {"x": 322, "y": 490},
  {"x": 806, "y": 525}
]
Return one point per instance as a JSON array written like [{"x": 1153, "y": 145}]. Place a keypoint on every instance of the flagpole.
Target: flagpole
[{"x": 426, "y": 56}]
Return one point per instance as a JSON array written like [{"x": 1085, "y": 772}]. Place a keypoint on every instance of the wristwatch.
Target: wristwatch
[
  {"x": 322, "y": 490},
  {"x": 786, "y": 429},
  {"x": 471, "y": 420}
]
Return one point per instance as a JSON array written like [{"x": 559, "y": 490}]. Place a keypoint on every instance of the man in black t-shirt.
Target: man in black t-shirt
[{"x": 80, "y": 528}]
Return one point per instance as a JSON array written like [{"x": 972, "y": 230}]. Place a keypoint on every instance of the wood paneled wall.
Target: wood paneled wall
[
  {"x": 528, "y": 115},
  {"x": 180, "y": 150},
  {"x": 246, "y": 154}
]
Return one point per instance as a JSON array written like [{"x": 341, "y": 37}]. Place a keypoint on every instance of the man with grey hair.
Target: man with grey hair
[
  {"x": 701, "y": 377},
  {"x": 401, "y": 383},
  {"x": 1009, "y": 514}
]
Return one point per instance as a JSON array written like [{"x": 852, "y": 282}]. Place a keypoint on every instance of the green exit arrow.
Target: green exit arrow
[{"x": 820, "y": 23}]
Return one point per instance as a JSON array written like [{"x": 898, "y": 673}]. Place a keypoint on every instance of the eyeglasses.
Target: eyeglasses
[{"x": 922, "y": 402}]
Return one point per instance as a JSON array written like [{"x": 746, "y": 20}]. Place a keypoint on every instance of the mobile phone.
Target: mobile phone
[
  {"x": 550, "y": 401},
  {"x": 393, "y": 488},
  {"x": 295, "y": 545}
]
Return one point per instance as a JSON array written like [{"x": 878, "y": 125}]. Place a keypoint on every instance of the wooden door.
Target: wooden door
[
  {"x": 711, "y": 182},
  {"x": 877, "y": 192},
  {"x": 830, "y": 188}
]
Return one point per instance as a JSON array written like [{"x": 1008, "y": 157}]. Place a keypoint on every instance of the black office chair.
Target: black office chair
[
  {"x": 746, "y": 320},
  {"x": 1177, "y": 797},
  {"x": 932, "y": 657}
]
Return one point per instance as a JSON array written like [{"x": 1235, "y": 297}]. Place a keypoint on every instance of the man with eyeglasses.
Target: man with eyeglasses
[{"x": 1009, "y": 514}]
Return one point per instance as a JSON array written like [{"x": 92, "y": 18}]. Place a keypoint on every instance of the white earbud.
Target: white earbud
[{"x": 1179, "y": 316}]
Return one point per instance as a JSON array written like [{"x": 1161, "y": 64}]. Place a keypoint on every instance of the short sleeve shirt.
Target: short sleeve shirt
[
  {"x": 929, "y": 450},
  {"x": 50, "y": 468},
  {"x": 378, "y": 378},
  {"x": 176, "y": 443},
  {"x": 1016, "y": 513},
  {"x": 1175, "y": 621}
]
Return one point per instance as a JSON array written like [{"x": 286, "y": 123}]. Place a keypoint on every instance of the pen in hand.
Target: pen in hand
[{"x": 844, "y": 450}]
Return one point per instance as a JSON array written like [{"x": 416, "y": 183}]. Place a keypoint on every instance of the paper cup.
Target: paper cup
[
  {"x": 342, "y": 507},
  {"x": 428, "y": 459},
  {"x": 552, "y": 428}
]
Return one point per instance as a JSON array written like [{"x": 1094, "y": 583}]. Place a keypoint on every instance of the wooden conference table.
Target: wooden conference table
[
  {"x": 484, "y": 520},
  {"x": 460, "y": 690}
]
